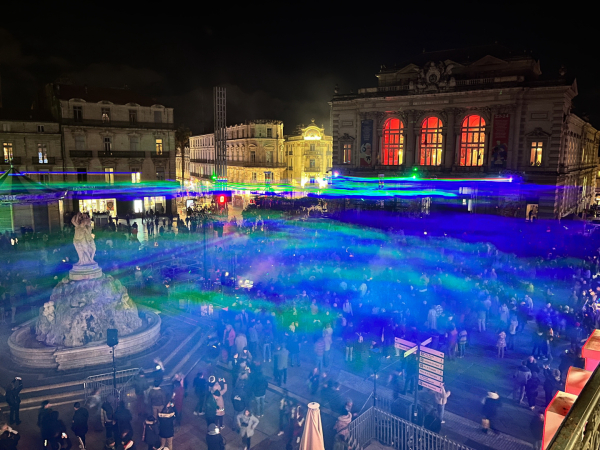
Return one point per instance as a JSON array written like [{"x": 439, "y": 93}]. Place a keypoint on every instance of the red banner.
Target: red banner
[{"x": 500, "y": 138}]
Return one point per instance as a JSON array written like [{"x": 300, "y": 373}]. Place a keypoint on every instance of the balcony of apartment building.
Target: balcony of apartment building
[
  {"x": 45, "y": 161},
  {"x": 8, "y": 162},
  {"x": 270, "y": 165},
  {"x": 117, "y": 124},
  {"x": 117, "y": 154}
]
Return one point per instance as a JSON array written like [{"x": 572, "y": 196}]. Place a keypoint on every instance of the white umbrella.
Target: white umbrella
[{"x": 312, "y": 436}]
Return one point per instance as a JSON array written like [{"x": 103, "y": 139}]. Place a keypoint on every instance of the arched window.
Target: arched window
[
  {"x": 430, "y": 147},
  {"x": 392, "y": 143},
  {"x": 472, "y": 141}
]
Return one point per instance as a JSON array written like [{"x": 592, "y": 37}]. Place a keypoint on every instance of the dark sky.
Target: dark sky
[{"x": 277, "y": 61}]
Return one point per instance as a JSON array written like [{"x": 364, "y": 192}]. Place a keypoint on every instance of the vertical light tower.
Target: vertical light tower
[{"x": 220, "y": 136}]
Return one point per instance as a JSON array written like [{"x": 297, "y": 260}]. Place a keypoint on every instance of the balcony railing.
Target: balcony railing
[
  {"x": 376, "y": 425},
  {"x": 164, "y": 154},
  {"x": 122, "y": 154},
  {"x": 119, "y": 124},
  {"x": 49, "y": 161},
  {"x": 273, "y": 165},
  {"x": 15, "y": 161},
  {"x": 580, "y": 430},
  {"x": 80, "y": 153}
]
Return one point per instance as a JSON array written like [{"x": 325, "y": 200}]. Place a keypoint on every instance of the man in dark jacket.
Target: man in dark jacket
[
  {"x": 238, "y": 399},
  {"x": 42, "y": 420},
  {"x": 9, "y": 438},
  {"x": 214, "y": 440},
  {"x": 157, "y": 399},
  {"x": 259, "y": 389},
  {"x": 150, "y": 433},
  {"x": 80, "y": 421},
  {"x": 521, "y": 377},
  {"x": 490, "y": 409},
  {"x": 13, "y": 398},
  {"x": 200, "y": 388},
  {"x": 537, "y": 430}
]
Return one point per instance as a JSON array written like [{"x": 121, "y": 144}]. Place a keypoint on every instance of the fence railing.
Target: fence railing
[
  {"x": 376, "y": 425},
  {"x": 580, "y": 430},
  {"x": 104, "y": 384}
]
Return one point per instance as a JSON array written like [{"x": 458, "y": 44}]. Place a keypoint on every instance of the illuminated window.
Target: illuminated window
[
  {"x": 430, "y": 145},
  {"x": 109, "y": 175},
  {"x": 8, "y": 151},
  {"x": 135, "y": 175},
  {"x": 107, "y": 144},
  {"x": 77, "y": 113},
  {"x": 105, "y": 114},
  {"x": 347, "y": 153},
  {"x": 268, "y": 176},
  {"x": 42, "y": 154},
  {"x": 132, "y": 116},
  {"x": 536, "y": 153},
  {"x": 312, "y": 163},
  {"x": 159, "y": 146},
  {"x": 392, "y": 143},
  {"x": 472, "y": 141}
]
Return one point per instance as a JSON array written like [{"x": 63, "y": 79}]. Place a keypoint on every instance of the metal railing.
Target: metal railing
[
  {"x": 580, "y": 430},
  {"x": 104, "y": 383},
  {"x": 119, "y": 124},
  {"x": 35, "y": 160},
  {"x": 392, "y": 431}
]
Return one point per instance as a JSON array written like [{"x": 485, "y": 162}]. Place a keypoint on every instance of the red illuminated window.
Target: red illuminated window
[
  {"x": 221, "y": 199},
  {"x": 472, "y": 141},
  {"x": 430, "y": 145},
  {"x": 392, "y": 143}
]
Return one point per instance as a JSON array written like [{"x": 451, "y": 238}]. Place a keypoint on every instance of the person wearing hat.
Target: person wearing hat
[
  {"x": 214, "y": 439},
  {"x": 247, "y": 423}
]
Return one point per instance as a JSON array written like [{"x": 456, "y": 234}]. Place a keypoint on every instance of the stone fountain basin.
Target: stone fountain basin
[{"x": 28, "y": 352}]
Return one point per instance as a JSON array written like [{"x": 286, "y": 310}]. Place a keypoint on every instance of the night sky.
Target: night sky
[{"x": 277, "y": 62}]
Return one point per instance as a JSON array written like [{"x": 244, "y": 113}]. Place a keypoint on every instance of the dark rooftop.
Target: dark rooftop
[
  {"x": 26, "y": 115},
  {"x": 96, "y": 94}
]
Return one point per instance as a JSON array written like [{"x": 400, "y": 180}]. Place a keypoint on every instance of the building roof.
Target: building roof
[
  {"x": 26, "y": 115},
  {"x": 18, "y": 188},
  {"x": 96, "y": 94}
]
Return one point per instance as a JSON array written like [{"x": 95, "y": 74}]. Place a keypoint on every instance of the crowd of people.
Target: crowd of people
[{"x": 311, "y": 287}]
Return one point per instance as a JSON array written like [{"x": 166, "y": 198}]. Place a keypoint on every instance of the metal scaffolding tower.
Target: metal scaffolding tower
[{"x": 220, "y": 134}]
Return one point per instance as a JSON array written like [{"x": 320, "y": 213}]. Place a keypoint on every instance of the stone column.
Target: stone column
[{"x": 409, "y": 146}]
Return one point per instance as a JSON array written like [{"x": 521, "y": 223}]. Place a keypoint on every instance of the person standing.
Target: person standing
[
  {"x": 521, "y": 376},
  {"x": 285, "y": 413},
  {"x": 214, "y": 440},
  {"x": 247, "y": 423},
  {"x": 166, "y": 426},
  {"x": 319, "y": 349},
  {"x": 80, "y": 422},
  {"x": 13, "y": 398},
  {"x": 108, "y": 419},
  {"x": 551, "y": 383},
  {"x": 531, "y": 390},
  {"x": 157, "y": 399},
  {"x": 537, "y": 430},
  {"x": 462, "y": 342},
  {"x": 282, "y": 356},
  {"x": 328, "y": 340},
  {"x": 441, "y": 398},
  {"x": 150, "y": 433},
  {"x": 259, "y": 389},
  {"x": 491, "y": 404},
  {"x": 178, "y": 395},
  {"x": 501, "y": 344},
  {"x": 220, "y": 401},
  {"x": 200, "y": 388},
  {"x": 140, "y": 384}
]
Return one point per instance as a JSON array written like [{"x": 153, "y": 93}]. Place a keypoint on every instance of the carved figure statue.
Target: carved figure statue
[{"x": 83, "y": 239}]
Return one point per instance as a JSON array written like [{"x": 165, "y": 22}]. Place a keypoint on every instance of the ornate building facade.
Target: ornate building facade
[
  {"x": 255, "y": 153},
  {"x": 309, "y": 156},
  {"x": 113, "y": 136},
  {"x": 474, "y": 114}
]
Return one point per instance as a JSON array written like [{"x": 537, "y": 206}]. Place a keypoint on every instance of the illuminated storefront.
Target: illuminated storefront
[
  {"x": 156, "y": 204},
  {"x": 98, "y": 205}
]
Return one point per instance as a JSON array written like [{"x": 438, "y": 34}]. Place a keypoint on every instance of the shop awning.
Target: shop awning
[{"x": 18, "y": 188}]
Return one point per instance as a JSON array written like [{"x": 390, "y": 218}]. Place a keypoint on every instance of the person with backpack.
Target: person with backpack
[{"x": 150, "y": 433}]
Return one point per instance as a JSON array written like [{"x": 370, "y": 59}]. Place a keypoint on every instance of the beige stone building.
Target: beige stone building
[
  {"x": 31, "y": 141},
  {"x": 475, "y": 113},
  {"x": 255, "y": 154},
  {"x": 114, "y": 137},
  {"x": 309, "y": 156}
]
